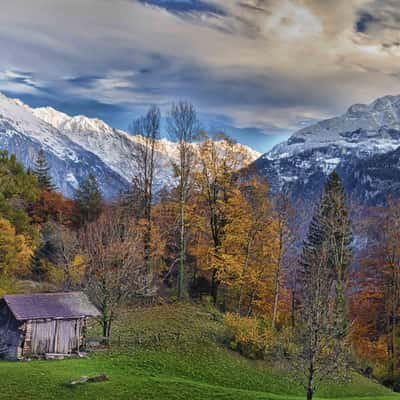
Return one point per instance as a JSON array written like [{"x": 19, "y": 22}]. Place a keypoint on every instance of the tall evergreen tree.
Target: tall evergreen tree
[
  {"x": 41, "y": 171},
  {"x": 334, "y": 218},
  {"x": 89, "y": 200},
  {"x": 325, "y": 261}
]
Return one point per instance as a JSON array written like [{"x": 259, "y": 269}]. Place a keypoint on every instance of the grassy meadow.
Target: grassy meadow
[{"x": 168, "y": 352}]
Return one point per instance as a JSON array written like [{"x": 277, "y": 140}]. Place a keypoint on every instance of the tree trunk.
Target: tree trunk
[
  {"x": 181, "y": 271},
  {"x": 309, "y": 394},
  {"x": 214, "y": 287},
  {"x": 147, "y": 242},
  {"x": 293, "y": 301},
  {"x": 277, "y": 283},
  {"x": 276, "y": 296},
  {"x": 310, "y": 389}
]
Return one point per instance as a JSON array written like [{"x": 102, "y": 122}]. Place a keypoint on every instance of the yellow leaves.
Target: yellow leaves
[
  {"x": 77, "y": 269},
  {"x": 245, "y": 330},
  {"x": 247, "y": 257},
  {"x": 15, "y": 254},
  {"x": 235, "y": 235},
  {"x": 251, "y": 336},
  {"x": 52, "y": 273}
]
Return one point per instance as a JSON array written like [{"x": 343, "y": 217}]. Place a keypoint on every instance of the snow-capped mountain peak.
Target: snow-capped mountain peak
[
  {"x": 51, "y": 116},
  {"x": 115, "y": 147},
  {"x": 364, "y": 131},
  {"x": 77, "y": 145}
]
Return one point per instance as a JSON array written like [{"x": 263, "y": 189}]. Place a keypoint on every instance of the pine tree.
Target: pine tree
[
  {"x": 37, "y": 267},
  {"x": 325, "y": 261},
  {"x": 89, "y": 200},
  {"x": 41, "y": 171},
  {"x": 337, "y": 228}
]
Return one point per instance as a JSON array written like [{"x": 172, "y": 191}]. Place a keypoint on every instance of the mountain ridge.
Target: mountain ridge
[
  {"x": 364, "y": 132},
  {"x": 77, "y": 145}
]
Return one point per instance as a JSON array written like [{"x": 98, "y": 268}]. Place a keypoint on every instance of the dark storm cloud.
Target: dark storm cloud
[
  {"x": 380, "y": 22},
  {"x": 364, "y": 21}
]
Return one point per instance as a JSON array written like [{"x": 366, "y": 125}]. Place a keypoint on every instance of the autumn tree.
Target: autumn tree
[
  {"x": 183, "y": 127},
  {"x": 41, "y": 171},
  {"x": 15, "y": 253},
  {"x": 376, "y": 329},
  {"x": 18, "y": 191},
  {"x": 52, "y": 206},
  {"x": 246, "y": 260},
  {"x": 115, "y": 270},
  {"x": 216, "y": 179},
  {"x": 147, "y": 165},
  {"x": 166, "y": 215},
  {"x": 67, "y": 256}
]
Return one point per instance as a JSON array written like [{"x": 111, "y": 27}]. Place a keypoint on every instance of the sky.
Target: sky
[{"x": 258, "y": 69}]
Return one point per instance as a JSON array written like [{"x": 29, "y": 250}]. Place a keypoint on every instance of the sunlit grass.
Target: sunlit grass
[{"x": 167, "y": 352}]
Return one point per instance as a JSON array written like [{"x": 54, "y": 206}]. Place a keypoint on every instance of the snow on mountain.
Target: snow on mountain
[
  {"x": 116, "y": 147},
  {"x": 23, "y": 134},
  {"x": 77, "y": 145},
  {"x": 365, "y": 129},
  {"x": 300, "y": 165}
]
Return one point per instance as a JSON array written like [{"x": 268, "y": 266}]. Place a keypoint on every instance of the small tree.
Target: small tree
[
  {"x": 89, "y": 201},
  {"x": 66, "y": 247},
  {"x": 41, "y": 171},
  {"x": 115, "y": 271}
]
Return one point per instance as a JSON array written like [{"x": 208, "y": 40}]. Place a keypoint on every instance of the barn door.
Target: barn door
[
  {"x": 67, "y": 336},
  {"x": 56, "y": 336},
  {"x": 43, "y": 333}
]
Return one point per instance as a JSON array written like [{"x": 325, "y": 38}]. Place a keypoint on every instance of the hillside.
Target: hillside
[{"x": 192, "y": 367}]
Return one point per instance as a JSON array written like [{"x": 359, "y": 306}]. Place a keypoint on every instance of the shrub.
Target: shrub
[
  {"x": 249, "y": 336},
  {"x": 255, "y": 338}
]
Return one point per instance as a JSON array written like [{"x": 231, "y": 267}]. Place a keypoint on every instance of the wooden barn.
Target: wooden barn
[{"x": 39, "y": 324}]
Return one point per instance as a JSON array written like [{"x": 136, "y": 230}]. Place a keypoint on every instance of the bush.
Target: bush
[
  {"x": 255, "y": 338},
  {"x": 249, "y": 336}
]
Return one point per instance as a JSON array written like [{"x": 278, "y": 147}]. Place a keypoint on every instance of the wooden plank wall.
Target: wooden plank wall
[{"x": 56, "y": 336}]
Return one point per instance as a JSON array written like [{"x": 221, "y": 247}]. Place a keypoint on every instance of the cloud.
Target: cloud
[
  {"x": 19, "y": 82},
  {"x": 185, "y": 6},
  {"x": 267, "y": 64}
]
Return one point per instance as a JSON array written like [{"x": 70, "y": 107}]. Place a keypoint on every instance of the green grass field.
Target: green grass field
[{"x": 167, "y": 352}]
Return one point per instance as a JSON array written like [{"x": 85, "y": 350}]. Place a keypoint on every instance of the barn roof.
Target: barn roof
[{"x": 68, "y": 305}]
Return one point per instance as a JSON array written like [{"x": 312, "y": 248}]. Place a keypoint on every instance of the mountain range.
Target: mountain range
[
  {"x": 75, "y": 146},
  {"x": 362, "y": 145}
]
